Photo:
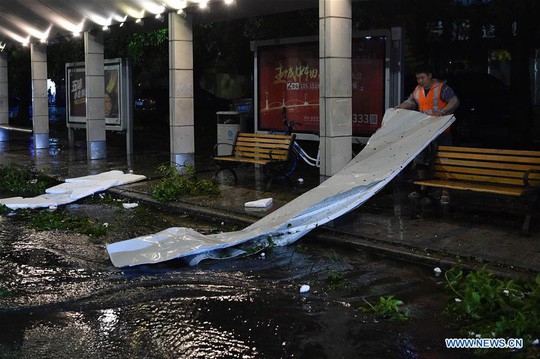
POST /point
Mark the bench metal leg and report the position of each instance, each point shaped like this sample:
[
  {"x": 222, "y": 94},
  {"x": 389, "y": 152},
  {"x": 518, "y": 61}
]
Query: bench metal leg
[
  {"x": 526, "y": 225},
  {"x": 269, "y": 184}
]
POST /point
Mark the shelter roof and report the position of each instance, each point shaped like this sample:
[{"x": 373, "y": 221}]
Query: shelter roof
[{"x": 26, "y": 21}]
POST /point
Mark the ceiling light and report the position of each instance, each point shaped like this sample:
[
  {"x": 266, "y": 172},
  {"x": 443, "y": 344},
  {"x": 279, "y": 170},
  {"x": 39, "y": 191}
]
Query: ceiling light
[
  {"x": 13, "y": 35},
  {"x": 177, "y": 4},
  {"x": 119, "y": 18},
  {"x": 136, "y": 14},
  {"x": 101, "y": 20},
  {"x": 228, "y": 2},
  {"x": 153, "y": 7}
]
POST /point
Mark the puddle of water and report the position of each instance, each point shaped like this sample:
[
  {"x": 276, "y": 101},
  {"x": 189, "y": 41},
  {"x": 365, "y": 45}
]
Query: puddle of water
[{"x": 64, "y": 299}]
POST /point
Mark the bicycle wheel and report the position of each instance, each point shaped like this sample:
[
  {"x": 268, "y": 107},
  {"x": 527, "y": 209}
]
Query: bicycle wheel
[{"x": 281, "y": 170}]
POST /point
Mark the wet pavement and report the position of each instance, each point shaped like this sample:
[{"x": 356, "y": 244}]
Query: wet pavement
[
  {"x": 61, "y": 297},
  {"x": 475, "y": 229}
]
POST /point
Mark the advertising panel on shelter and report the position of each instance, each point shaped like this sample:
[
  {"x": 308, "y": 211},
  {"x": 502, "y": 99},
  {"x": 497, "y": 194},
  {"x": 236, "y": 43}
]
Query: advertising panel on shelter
[
  {"x": 76, "y": 93},
  {"x": 368, "y": 55},
  {"x": 289, "y": 77}
]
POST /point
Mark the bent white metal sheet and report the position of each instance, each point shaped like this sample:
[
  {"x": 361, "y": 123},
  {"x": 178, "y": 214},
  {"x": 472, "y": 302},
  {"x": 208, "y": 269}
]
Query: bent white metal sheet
[
  {"x": 402, "y": 136},
  {"x": 73, "y": 189}
]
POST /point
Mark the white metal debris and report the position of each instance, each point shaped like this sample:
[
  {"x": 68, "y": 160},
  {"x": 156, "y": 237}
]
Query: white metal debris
[
  {"x": 72, "y": 190},
  {"x": 402, "y": 136}
]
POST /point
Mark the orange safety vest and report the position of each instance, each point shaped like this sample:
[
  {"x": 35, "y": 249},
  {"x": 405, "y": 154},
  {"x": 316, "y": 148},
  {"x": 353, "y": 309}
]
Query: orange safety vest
[{"x": 431, "y": 101}]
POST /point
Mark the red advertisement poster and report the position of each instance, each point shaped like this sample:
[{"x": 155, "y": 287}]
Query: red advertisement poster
[
  {"x": 368, "y": 56},
  {"x": 289, "y": 77}
]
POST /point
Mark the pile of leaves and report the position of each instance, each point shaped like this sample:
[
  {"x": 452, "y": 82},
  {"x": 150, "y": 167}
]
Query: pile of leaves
[
  {"x": 388, "y": 308},
  {"x": 174, "y": 184},
  {"x": 45, "y": 220},
  {"x": 490, "y": 307},
  {"x": 24, "y": 182}
]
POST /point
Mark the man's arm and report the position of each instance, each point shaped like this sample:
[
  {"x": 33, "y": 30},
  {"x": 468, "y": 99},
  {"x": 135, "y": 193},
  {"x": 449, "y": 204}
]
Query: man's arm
[
  {"x": 449, "y": 96},
  {"x": 451, "y": 107},
  {"x": 408, "y": 104}
]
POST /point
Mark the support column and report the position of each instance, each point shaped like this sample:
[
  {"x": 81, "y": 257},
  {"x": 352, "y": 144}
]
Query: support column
[
  {"x": 4, "y": 105},
  {"x": 40, "y": 98},
  {"x": 335, "y": 90},
  {"x": 182, "y": 118},
  {"x": 96, "y": 144}
]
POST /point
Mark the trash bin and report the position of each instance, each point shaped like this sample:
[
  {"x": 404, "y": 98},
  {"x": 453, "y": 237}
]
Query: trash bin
[{"x": 229, "y": 123}]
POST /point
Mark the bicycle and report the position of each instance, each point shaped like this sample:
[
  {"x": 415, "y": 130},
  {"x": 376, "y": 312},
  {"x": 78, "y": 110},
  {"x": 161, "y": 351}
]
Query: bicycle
[{"x": 298, "y": 151}]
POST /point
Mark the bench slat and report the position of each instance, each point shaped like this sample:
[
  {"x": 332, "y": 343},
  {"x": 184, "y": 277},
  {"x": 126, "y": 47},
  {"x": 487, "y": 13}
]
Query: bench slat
[
  {"x": 485, "y": 172},
  {"x": 489, "y": 151},
  {"x": 511, "y": 191},
  {"x": 261, "y": 149},
  {"x": 484, "y": 164},
  {"x": 260, "y": 155},
  {"x": 274, "y": 141},
  {"x": 487, "y": 157},
  {"x": 262, "y": 145},
  {"x": 264, "y": 135},
  {"x": 267, "y": 157},
  {"x": 477, "y": 178},
  {"x": 241, "y": 159}
]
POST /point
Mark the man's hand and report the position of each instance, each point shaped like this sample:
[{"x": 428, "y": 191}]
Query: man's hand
[
  {"x": 437, "y": 112},
  {"x": 407, "y": 105}
]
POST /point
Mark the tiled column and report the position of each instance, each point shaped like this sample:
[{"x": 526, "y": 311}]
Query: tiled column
[
  {"x": 4, "y": 106},
  {"x": 40, "y": 98},
  {"x": 335, "y": 41},
  {"x": 182, "y": 117},
  {"x": 96, "y": 145}
]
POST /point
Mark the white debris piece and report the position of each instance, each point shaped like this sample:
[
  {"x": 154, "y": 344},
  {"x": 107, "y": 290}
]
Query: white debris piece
[
  {"x": 73, "y": 189},
  {"x": 52, "y": 208},
  {"x": 402, "y": 136},
  {"x": 305, "y": 288},
  {"x": 129, "y": 205},
  {"x": 437, "y": 271},
  {"x": 260, "y": 203},
  {"x": 535, "y": 342}
]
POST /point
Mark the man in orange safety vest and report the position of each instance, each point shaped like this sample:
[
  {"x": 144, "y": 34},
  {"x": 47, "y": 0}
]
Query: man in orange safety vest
[{"x": 435, "y": 98}]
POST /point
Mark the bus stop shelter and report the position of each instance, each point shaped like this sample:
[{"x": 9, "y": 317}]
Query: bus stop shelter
[{"x": 33, "y": 23}]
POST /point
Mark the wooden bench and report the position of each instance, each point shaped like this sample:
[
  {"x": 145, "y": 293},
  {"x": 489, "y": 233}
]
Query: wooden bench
[
  {"x": 270, "y": 151},
  {"x": 505, "y": 172}
]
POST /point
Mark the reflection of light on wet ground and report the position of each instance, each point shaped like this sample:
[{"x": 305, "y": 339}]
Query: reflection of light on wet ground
[{"x": 108, "y": 320}]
